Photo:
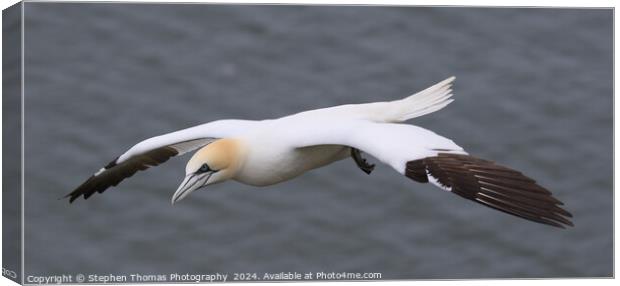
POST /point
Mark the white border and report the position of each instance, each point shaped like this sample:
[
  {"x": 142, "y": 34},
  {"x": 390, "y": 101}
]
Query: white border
[{"x": 494, "y": 3}]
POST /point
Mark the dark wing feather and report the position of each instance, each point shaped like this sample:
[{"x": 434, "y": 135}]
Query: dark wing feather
[
  {"x": 492, "y": 185},
  {"x": 113, "y": 173}
]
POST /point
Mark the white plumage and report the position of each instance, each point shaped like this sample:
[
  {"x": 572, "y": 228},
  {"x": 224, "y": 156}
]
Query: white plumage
[{"x": 270, "y": 151}]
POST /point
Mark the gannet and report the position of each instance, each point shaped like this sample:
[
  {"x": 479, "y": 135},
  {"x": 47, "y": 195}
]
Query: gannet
[{"x": 267, "y": 152}]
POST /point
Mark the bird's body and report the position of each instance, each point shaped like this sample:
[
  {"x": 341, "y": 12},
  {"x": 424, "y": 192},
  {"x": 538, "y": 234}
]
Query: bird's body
[
  {"x": 267, "y": 152},
  {"x": 286, "y": 163}
]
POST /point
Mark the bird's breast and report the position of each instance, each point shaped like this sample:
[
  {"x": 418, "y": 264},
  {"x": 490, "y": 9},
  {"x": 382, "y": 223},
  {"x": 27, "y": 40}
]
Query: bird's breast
[{"x": 272, "y": 164}]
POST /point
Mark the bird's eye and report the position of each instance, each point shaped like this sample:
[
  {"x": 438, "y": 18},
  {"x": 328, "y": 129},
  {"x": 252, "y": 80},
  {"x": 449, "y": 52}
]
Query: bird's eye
[{"x": 204, "y": 168}]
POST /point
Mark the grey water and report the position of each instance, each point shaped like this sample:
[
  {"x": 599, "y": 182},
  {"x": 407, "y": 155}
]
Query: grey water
[{"x": 534, "y": 91}]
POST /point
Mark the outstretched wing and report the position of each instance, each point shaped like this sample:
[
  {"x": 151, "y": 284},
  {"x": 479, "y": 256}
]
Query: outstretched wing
[
  {"x": 157, "y": 150},
  {"x": 424, "y": 156}
]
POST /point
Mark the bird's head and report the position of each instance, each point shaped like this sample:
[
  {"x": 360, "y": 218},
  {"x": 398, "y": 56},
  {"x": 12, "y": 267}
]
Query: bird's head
[{"x": 214, "y": 163}]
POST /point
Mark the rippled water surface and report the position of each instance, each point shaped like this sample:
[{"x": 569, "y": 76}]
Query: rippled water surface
[{"x": 533, "y": 91}]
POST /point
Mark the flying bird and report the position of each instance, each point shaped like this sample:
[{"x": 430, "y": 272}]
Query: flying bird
[{"x": 267, "y": 152}]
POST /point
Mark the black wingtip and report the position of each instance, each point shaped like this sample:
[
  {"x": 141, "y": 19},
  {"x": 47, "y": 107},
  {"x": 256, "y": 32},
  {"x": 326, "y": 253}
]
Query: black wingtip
[
  {"x": 492, "y": 185},
  {"x": 71, "y": 197},
  {"x": 566, "y": 225}
]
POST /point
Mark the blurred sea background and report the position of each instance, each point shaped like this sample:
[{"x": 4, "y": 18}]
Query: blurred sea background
[{"x": 534, "y": 91}]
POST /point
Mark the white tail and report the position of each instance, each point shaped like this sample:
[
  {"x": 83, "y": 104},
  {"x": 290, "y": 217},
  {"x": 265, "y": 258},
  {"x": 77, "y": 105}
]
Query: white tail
[{"x": 424, "y": 102}]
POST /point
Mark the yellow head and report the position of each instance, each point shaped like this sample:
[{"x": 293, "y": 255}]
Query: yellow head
[{"x": 214, "y": 163}]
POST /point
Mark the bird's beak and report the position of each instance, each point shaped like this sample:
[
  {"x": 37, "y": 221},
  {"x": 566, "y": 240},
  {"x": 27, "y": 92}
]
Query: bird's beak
[{"x": 191, "y": 183}]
